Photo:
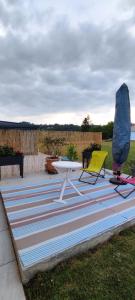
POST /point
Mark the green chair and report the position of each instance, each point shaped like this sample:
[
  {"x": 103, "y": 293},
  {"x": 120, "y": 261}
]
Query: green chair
[{"x": 97, "y": 163}]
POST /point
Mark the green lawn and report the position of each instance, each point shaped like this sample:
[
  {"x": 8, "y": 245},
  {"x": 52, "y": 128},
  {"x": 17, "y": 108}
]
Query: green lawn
[
  {"x": 108, "y": 147},
  {"x": 107, "y": 273}
]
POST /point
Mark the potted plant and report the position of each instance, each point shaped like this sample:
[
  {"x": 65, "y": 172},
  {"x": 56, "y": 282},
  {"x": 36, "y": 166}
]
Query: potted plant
[
  {"x": 72, "y": 153},
  {"x": 53, "y": 147}
]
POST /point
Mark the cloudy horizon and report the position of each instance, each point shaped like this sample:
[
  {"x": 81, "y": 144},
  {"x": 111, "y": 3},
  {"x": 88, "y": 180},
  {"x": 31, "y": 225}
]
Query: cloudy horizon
[{"x": 60, "y": 61}]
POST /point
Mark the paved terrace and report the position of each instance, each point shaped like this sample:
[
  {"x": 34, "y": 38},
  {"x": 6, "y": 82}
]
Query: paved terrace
[
  {"x": 45, "y": 232},
  {"x": 10, "y": 283}
]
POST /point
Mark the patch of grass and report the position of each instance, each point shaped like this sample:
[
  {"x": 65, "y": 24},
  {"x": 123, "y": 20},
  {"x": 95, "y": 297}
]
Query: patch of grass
[
  {"x": 107, "y": 273},
  {"x": 108, "y": 147}
]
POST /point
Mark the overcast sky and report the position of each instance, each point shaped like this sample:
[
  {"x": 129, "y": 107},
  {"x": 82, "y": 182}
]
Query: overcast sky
[{"x": 61, "y": 60}]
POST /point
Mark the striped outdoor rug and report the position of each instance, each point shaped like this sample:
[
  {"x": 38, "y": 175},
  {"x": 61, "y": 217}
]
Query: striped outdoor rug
[{"x": 42, "y": 228}]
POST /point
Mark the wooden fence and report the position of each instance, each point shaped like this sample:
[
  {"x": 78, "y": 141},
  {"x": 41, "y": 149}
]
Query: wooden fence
[
  {"x": 81, "y": 140},
  {"x": 25, "y": 141},
  {"x": 31, "y": 141}
]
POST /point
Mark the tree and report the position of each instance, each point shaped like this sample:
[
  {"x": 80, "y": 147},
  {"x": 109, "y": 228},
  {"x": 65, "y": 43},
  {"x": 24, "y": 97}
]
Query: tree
[
  {"x": 107, "y": 131},
  {"x": 86, "y": 124}
]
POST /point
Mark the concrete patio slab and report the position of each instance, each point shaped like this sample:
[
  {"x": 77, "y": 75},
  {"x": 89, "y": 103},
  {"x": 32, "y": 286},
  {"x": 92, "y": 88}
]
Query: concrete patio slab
[
  {"x": 3, "y": 221},
  {"x": 10, "y": 284},
  {"x": 6, "y": 249}
]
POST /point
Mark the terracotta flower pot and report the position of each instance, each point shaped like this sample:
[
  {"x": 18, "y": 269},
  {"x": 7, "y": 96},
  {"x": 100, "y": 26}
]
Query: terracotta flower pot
[{"x": 48, "y": 165}]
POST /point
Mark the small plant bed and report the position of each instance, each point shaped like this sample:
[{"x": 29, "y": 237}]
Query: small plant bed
[
  {"x": 8, "y": 151},
  {"x": 8, "y": 156},
  {"x": 106, "y": 273}
]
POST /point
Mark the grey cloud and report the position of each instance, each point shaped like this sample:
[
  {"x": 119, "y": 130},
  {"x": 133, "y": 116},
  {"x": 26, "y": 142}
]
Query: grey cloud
[
  {"x": 128, "y": 3},
  {"x": 63, "y": 68}
]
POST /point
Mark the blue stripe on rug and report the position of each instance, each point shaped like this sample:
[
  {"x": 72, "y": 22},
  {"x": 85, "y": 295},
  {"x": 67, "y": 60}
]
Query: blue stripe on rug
[{"x": 55, "y": 246}]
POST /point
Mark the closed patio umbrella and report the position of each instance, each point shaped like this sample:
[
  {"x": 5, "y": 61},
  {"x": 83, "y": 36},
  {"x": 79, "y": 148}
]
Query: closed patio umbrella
[{"x": 121, "y": 131}]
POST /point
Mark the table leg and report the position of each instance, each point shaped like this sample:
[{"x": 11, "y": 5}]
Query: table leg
[
  {"x": 62, "y": 192},
  {"x": 74, "y": 187},
  {"x": 67, "y": 180}
]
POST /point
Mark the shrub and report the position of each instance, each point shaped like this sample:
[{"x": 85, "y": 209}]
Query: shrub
[
  {"x": 71, "y": 152},
  {"x": 7, "y": 151}
]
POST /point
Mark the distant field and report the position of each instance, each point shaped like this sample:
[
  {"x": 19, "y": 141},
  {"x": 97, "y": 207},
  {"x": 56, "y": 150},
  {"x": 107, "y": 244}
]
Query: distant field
[{"x": 108, "y": 147}]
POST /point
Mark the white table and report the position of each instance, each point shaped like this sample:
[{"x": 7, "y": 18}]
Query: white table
[{"x": 68, "y": 166}]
